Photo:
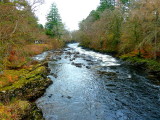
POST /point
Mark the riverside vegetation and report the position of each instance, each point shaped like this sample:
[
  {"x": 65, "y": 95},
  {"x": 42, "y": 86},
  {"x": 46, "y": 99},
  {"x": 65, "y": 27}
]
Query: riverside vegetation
[
  {"x": 23, "y": 80},
  {"x": 128, "y": 28}
]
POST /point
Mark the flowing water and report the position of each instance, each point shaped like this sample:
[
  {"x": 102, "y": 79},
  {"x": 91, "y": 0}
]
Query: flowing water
[{"x": 91, "y": 86}]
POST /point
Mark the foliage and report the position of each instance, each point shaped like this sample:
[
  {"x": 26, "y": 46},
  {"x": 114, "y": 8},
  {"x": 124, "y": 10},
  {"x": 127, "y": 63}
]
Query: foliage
[
  {"x": 18, "y": 32},
  {"x": 124, "y": 26}
]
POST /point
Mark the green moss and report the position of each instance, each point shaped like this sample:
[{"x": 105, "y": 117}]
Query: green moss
[
  {"x": 148, "y": 63},
  {"x": 15, "y": 96},
  {"x": 24, "y": 77}
]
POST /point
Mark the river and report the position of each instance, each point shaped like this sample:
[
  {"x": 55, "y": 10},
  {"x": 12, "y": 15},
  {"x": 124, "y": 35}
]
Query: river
[{"x": 92, "y": 86}]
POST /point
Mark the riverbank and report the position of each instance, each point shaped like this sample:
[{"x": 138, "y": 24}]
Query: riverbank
[
  {"x": 151, "y": 67},
  {"x": 20, "y": 88}
]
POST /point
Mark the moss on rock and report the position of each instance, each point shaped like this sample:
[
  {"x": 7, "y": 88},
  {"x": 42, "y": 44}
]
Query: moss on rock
[{"x": 30, "y": 84}]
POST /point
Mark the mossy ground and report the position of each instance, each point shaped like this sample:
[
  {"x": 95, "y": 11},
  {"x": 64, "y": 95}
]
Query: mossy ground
[
  {"x": 149, "y": 64},
  {"x": 17, "y": 87},
  {"x": 12, "y": 79}
]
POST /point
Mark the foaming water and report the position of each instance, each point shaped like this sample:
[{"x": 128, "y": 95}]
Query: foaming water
[
  {"x": 41, "y": 57},
  {"x": 91, "y": 86},
  {"x": 106, "y": 60}
]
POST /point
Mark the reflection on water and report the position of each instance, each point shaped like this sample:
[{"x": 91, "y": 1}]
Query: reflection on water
[{"x": 92, "y": 86}]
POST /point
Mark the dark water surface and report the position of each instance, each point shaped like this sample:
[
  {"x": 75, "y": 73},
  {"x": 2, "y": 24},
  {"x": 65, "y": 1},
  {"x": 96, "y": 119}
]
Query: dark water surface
[{"x": 93, "y": 86}]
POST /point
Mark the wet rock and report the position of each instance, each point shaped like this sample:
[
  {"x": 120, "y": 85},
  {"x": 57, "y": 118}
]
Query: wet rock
[
  {"x": 151, "y": 76},
  {"x": 68, "y": 52},
  {"x": 72, "y": 59},
  {"x": 53, "y": 58},
  {"x": 88, "y": 58},
  {"x": 110, "y": 85},
  {"x": 88, "y": 67},
  {"x": 50, "y": 95},
  {"x": 77, "y": 64},
  {"x": 66, "y": 57},
  {"x": 154, "y": 74},
  {"x": 91, "y": 63},
  {"x": 154, "y": 79},
  {"x": 77, "y": 53},
  {"x": 59, "y": 52},
  {"x": 113, "y": 74},
  {"x": 69, "y": 97},
  {"x": 54, "y": 75}
]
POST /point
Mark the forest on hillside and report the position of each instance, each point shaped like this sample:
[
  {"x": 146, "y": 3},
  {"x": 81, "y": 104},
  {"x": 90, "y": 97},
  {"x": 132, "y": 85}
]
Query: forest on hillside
[{"x": 130, "y": 27}]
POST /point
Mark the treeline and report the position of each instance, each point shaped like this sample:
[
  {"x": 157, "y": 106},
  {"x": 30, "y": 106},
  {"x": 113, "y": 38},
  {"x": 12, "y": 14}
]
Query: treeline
[
  {"x": 19, "y": 31},
  {"x": 123, "y": 26}
]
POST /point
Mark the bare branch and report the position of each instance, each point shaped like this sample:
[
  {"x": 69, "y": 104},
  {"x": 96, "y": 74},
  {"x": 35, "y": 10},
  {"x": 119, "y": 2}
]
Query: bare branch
[{"x": 35, "y": 4}]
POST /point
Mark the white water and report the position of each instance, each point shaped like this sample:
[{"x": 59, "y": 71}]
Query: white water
[{"x": 106, "y": 60}]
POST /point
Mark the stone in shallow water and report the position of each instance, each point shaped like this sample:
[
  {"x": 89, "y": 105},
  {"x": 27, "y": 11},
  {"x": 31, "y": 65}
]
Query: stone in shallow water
[
  {"x": 77, "y": 64},
  {"x": 88, "y": 67},
  {"x": 69, "y": 97},
  {"x": 113, "y": 74}
]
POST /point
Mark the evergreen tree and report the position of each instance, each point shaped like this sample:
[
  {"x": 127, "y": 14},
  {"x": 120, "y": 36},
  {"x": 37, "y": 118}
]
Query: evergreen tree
[
  {"x": 106, "y": 4},
  {"x": 54, "y": 26}
]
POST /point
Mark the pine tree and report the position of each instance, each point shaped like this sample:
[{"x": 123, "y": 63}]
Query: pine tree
[
  {"x": 54, "y": 25},
  {"x": 106, "y": 4}
]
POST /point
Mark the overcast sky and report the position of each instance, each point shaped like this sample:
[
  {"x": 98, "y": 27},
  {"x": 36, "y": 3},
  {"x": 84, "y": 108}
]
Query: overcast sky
[{"x": 71, "y": 11}]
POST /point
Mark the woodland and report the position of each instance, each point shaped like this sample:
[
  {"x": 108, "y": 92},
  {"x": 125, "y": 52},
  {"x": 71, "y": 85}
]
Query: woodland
[{"x": 125, "y": 27}]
